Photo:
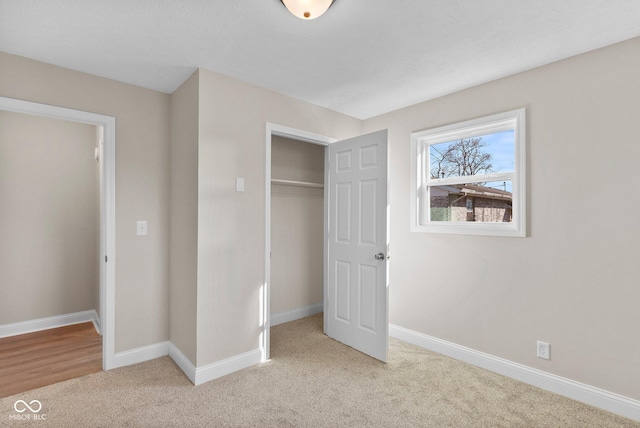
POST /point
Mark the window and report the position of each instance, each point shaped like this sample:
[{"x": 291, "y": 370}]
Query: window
[{"x": 469, "y": 177}]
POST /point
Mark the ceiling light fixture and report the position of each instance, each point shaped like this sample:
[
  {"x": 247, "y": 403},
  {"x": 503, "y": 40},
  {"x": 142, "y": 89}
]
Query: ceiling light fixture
[{"x": 307, "y": 9}]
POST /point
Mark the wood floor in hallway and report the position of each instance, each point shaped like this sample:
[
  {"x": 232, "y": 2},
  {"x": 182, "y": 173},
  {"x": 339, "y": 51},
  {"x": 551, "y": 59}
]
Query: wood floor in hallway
[{"x": 33, "y": 360}]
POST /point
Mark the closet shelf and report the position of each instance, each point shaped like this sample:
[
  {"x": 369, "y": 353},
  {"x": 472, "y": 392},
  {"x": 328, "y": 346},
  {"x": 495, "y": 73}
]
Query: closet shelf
[{"x": 297, "y": 183}]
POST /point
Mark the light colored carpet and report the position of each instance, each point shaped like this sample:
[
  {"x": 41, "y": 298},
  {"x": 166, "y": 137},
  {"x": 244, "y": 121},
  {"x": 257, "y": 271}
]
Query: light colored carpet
[{"x": 311, "y": 381}]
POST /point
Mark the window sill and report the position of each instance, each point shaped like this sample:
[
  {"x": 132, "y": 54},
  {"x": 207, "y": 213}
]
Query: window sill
[{"x": 477, "y": 229}]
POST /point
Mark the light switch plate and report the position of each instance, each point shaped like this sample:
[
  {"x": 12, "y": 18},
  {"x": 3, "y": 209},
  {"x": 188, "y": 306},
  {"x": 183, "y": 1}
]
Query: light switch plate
[
  {"x": 239, "y": 184},
  {"x": 141, "y": 228}
]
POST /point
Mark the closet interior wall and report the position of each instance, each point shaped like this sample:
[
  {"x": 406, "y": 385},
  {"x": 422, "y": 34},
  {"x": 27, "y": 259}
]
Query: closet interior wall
[{"x": 297, "y": 218}]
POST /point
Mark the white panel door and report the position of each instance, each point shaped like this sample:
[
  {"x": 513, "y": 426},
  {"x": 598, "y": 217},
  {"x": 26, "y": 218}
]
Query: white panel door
[{"x": 356, "y": 304}]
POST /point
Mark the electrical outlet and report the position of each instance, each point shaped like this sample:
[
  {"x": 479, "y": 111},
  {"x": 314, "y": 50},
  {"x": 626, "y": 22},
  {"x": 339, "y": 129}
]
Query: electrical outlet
[{"x": 544, "y": 350}]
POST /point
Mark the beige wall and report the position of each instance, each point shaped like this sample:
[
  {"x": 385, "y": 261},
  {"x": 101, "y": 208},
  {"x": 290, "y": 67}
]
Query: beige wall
[
  {"x": 573, "y": 281},
  {"x": 142, "y": 183},
  {"x": 231, "y": 225},
  {"x": 297, "y": 225},
  {"x": 184, "y": 217},
  {"x": 49, "y": 217}
]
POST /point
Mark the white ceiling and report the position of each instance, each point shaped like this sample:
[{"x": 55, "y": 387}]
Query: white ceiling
[{"x": 362, "y": 58}]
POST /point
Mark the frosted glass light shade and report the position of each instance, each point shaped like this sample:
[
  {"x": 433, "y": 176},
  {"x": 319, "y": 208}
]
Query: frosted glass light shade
[{"x": 307, "y": 9}]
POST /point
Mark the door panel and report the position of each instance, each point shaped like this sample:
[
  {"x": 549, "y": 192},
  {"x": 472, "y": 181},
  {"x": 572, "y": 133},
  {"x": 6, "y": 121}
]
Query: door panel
[
  {"x": 356, "y": 306},
  {"x": 343, "y": 291},
  {"x": 368, "y": 275},
  {"x": 368, "y": 196},
  {"x": 343, "y": 229}
]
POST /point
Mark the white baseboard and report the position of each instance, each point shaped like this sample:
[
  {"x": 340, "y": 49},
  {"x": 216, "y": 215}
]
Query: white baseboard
[
  {"x": 203, "y": 374},
  {"x": 198, "y": 375},
  {"x": 139, "y": 355},
  {"x": 227, "y": 366},
  {"x": 96, "y": 322},
  {"x": 596, "y": 397},
  {"x": 183, "y": 362},
  {"x": 40, "y": 324},
  {"x": 296, "y": 314}
]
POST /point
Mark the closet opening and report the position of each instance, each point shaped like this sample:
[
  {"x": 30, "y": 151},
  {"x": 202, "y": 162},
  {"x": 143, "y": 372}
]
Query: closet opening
[{"x": 295, "y": 241}]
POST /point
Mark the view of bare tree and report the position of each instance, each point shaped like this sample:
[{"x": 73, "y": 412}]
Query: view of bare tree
[{"x": 464, "y": 157}]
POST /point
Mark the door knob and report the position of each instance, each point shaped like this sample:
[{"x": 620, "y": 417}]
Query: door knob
[{"x": 379, "y": 256}]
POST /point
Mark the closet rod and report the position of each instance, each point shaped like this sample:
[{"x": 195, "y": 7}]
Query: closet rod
[{"x": 297, "y": 183}]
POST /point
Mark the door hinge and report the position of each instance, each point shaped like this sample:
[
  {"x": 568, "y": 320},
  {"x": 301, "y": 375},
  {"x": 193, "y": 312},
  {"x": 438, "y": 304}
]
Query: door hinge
[{"x": 106, "y": 259}]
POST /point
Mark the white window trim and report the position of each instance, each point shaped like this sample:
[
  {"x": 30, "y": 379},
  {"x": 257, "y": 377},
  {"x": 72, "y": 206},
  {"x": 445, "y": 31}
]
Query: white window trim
[{"x": 515, "y": 120}]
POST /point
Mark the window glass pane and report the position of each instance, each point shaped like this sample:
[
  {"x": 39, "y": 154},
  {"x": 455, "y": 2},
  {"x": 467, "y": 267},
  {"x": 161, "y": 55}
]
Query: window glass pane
[
  {"x": 489, "y": 202},
  {"x": 471, "y": 156}
]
